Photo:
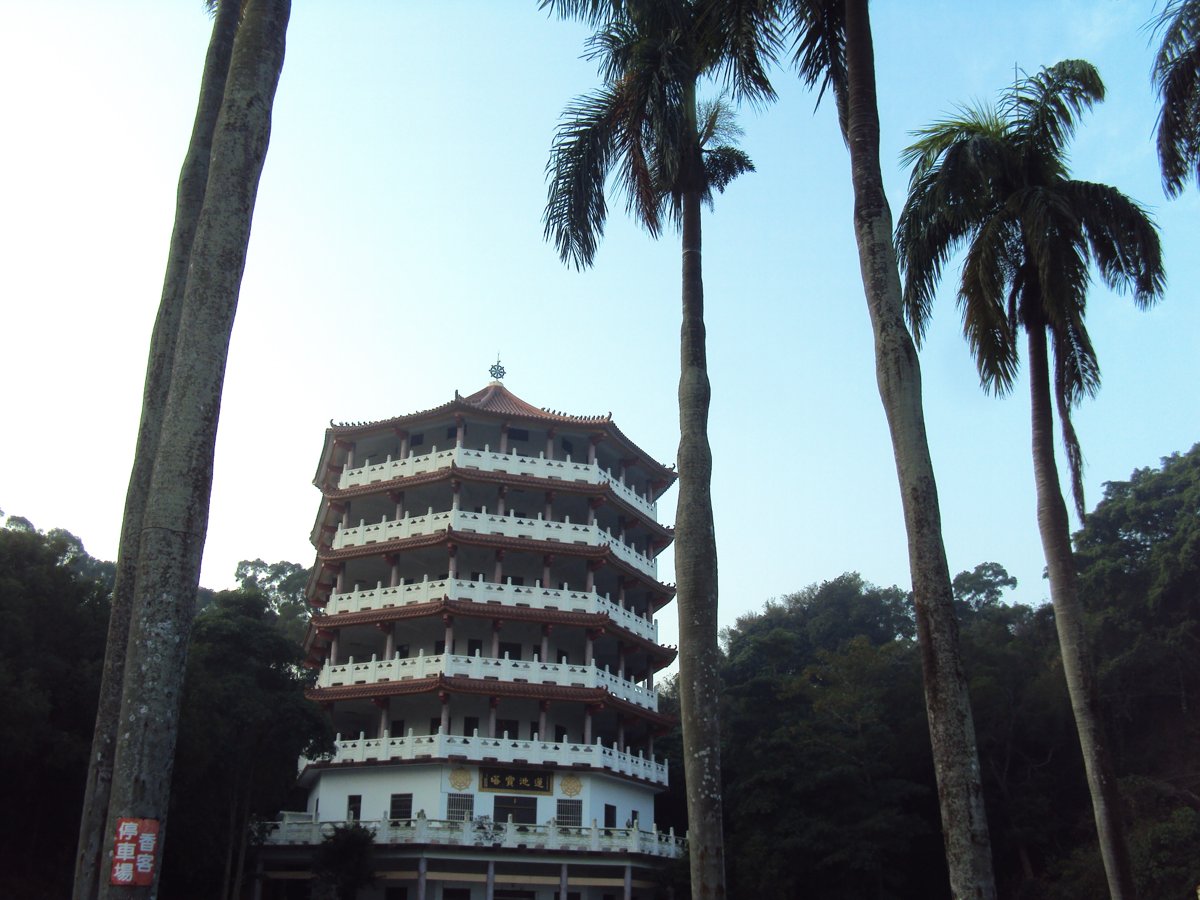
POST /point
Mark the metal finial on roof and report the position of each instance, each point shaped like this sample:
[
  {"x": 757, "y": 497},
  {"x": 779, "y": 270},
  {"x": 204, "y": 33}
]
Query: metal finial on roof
[{"x": 497, "y": 371}]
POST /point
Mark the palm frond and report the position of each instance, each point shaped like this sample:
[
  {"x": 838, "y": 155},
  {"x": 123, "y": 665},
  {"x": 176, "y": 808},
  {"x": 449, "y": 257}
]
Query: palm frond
[
  {"x": 1044, "y": 107},
  {"x": 593, "y": 12},
  {"x": 717, "y": 122},
  {"x": 945, "y": 206},
  {"x": 819, "y": 52},
  {"x": 1176, "y": 75},
  {"x": 722, "y": 164},
  {"x": 1123, "y": 238},
  {"x": 980, "y": 125},
  {"x": 1076, "y": 375},
  {"x": 580, "y": 159},
  {"x": 990, "y": 334},
  {"x": 1053, "y": 243},
  {"x": 744, "y": 38}
]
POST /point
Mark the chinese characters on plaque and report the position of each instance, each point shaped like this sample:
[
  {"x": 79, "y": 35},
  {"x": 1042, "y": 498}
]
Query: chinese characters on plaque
[
  {"x": 133, "y": 852},
  {"x": 515, "y": 781}
]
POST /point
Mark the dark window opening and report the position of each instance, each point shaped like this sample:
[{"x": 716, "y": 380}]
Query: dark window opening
[
  {"x": 510, "y": 727},
  {"x": 518, "y": 434},
  {"x": 474, "y": 645},
  {"x": 522, "y": 809},
  {"x": 401, "y": 807},
  {"x": 435, "y": 724},
  {"x": 560, "y": 734},
  {"x": 513, "y": 650},
  {"x": 416, "y": 440},
  {"x": 610, "y": 816},
  {"x": 470, "y": 725},
  {"x": 354, "y": 807},
  {"x": 397, "y": 728}
]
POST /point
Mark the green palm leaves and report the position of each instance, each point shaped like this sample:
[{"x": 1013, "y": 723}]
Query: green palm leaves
[
  {"x": 644, "y": 126},
  {"x": 1177, "y": 77},
  {"x": 995, "y": 180}
]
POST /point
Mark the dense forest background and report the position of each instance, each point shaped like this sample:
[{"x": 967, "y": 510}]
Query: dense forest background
[{"x": 828, "y": 779}]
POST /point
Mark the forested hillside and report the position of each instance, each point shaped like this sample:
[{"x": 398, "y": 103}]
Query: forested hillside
[{"x": 828, "y": 778}]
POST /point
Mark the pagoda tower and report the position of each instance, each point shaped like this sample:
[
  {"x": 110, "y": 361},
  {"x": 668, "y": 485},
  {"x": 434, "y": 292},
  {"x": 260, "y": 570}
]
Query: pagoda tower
[{"x": 483, "y": 624}]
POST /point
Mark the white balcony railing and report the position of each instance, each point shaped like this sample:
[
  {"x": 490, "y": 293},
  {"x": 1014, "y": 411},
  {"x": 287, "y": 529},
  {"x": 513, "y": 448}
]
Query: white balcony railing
[
  {"x": 540, "y": 529},
  {"x": 374, "y": 671},
  {"x": 487, "y": 460},
  {"x": 499, "y": 750},
  {"x": 302, "y": 828},
  {"x": 535, "y": 597}
]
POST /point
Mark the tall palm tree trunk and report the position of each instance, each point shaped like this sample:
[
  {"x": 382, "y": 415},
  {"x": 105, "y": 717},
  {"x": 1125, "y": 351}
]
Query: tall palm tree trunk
[
  {"x": 1069, "y": 621},
  {"x": 176, "y": 512},
  {"x": 193, "y": 178},
  {"x": 951, "y": 727},
  {"x": 696, "y": 580}
]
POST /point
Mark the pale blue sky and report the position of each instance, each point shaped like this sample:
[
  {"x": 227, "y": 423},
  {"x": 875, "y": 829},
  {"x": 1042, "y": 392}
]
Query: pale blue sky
[{"x": 398, "y": 246}]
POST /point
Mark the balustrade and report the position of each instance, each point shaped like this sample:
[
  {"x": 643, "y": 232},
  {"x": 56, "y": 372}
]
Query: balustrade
[
  {"x": 374, "y": 671},
  {"x": 488, "y": 460},
  {"x": 411, "y": 746},
  {"x": 537, "y": 528},
  {"x": 302, "y": 828},
  {"x": 535, "y": 597}
]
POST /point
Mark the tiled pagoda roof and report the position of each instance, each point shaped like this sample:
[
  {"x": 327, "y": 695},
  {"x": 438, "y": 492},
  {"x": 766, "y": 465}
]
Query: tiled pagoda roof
[{"x": 498, "y": 402}]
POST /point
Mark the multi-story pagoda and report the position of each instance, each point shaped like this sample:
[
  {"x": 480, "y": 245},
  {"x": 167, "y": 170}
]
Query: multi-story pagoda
[{"x": 484, "y": 599}]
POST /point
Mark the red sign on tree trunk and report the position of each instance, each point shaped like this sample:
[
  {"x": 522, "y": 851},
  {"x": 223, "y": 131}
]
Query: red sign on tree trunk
[{"x": 134, "y": 850}]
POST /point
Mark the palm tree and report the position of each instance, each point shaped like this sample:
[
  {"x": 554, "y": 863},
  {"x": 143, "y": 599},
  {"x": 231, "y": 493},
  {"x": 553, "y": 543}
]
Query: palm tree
[
  {"x": 669, "y": 152},
  {"x": 1177, "y": 76},
  {"x": 834, "y": 49},
  {"x": 173, "y": 520},
  {"x": 996, "y": 181},
  {"x": 193, "y": 179}
]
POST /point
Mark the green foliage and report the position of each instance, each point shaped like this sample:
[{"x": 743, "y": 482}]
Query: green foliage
[
  {"x": 54, "y": 604},
  {"x": 643, "y": 126},
  {"x": 827, "y": 771},
  {"x": 284, "y": 584},
  {"x": 982, "y": 587},
  {"x": 245, "y": 721},
  {"x": 1139, "y": 561},
  {"x": 829, "y": 783},
  {"x": 343, "y": 863},
  {"x": 995, "y": 181},
  {"x": 1177, "y": 77}
]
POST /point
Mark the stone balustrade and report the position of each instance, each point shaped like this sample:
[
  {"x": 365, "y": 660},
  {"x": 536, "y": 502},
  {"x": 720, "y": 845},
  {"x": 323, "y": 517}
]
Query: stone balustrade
[
  {"x": 487, "y": 460},
  {"x": 535, "y": 597},
  {"x": 302, "y": 828},
  {"x": 374, "y": 671},
  {"x": 500, "y": 750},
  {"x": 539, "y": 529}
]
